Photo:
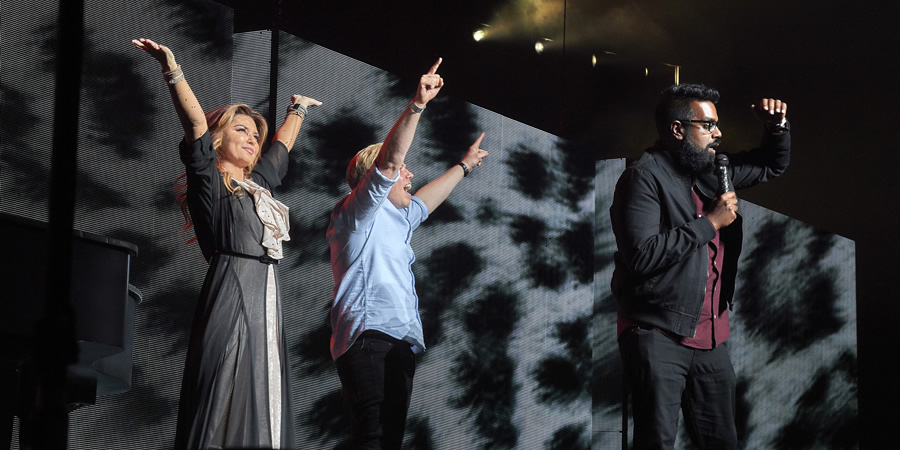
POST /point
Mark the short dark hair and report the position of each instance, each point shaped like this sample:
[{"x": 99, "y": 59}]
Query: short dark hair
[{"x": 676, "y": 103}]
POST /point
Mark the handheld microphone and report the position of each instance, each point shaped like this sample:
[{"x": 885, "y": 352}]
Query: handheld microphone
[{"x": 722, "y": 174}]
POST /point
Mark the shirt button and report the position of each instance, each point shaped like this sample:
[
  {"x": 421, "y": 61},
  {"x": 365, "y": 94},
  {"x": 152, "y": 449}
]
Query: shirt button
[{"x": 715, "y": 316}]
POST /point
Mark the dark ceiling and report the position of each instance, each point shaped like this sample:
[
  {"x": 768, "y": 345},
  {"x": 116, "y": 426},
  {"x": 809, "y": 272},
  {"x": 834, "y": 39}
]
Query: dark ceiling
[
  {"x": 832, "y": 62},
  {"x": 820, "y": 57}
]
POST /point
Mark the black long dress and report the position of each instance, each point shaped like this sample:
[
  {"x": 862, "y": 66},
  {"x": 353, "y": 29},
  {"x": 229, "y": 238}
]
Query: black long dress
[{"x": 225, "y": 394}]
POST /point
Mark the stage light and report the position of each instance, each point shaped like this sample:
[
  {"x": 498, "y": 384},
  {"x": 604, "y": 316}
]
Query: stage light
[
  {"x": 539, "y": 46},
  {"x": 593, "y": 60},
  {"x": 478, "y": 35},
  {"x": 676, "y": 69}
]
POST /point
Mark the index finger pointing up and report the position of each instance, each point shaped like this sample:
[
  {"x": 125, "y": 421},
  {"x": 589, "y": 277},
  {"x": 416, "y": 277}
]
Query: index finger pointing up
[
  {"x": 434, "y": 68},
  {"x": 477, "y": 142}
]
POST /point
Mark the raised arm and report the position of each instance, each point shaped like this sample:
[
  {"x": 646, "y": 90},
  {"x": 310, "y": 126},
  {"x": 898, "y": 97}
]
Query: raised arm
[
  {"x": 772, "y": 157},
  {"x": 434, "y": 193},
  {"x": 186, "y": 105},
  {"x": 296, "y": 114},
  {"x": 771, "y": 112},
  {"x": 396, "y": 144}
]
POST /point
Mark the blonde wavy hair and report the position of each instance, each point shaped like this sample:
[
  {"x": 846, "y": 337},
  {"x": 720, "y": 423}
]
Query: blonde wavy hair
[
  {"x": 361, "y": 163},
  {"x": 220, "y": 118}
]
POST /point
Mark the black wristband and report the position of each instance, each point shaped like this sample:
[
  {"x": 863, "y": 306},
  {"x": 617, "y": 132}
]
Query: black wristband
[
  {"x": 298, "y": 109},
  {"x": 465, "y": 169}
]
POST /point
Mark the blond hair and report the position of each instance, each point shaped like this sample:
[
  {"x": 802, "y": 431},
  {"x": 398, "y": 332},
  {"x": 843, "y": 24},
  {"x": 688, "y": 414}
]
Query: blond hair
[
  {"x": 361, "y": 163},
  {"x": 216, "y": 121},
  {"x": 220, "y": 118}
]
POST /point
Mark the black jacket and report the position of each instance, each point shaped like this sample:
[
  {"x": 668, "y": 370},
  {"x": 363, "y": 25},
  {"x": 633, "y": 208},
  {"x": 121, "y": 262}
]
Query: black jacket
[{"x": 661, "y": 264}]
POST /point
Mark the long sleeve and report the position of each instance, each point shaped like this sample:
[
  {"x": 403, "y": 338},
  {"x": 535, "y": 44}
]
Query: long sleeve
[
  {"x": 763, "y": 163},
  {"x": 639, "y": 216}
]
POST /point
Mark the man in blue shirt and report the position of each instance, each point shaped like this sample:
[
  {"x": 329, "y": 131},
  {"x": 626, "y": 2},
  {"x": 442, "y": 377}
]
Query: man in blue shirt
[{"x": 376, "y": 329}]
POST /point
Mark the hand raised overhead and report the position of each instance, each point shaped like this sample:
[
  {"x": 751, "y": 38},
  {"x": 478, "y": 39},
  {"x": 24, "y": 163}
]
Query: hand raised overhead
[
  {"x": 159, "y": 52},
  {"x": 770, "y": 111},
  {"x": 304, "y": 100},
  {"x": 429, "y": 85},
  {"x": 475, "y": 154}
]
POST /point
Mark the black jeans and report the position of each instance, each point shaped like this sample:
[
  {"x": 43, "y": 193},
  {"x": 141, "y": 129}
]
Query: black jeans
[
  {"x": 665, "y": 376},
  {"x": 376, "y": 378}
]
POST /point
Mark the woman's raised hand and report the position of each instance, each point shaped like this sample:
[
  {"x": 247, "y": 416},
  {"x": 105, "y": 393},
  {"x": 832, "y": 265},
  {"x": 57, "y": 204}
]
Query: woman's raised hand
[
  {"x": 159, "y": 52},
  {"x": 304, "y": 100},
  {"x": 190, "y": 114}
]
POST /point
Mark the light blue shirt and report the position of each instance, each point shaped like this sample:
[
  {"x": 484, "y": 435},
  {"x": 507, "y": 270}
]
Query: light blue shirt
[{"x": 371, "y": 260}]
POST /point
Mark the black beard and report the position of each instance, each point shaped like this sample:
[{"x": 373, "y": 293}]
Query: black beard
[{"x": 696, "y": 160}]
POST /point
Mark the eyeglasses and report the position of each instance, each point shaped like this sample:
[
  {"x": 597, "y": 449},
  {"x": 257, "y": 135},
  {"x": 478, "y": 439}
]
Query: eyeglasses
[{"x": 708, "y": 125}]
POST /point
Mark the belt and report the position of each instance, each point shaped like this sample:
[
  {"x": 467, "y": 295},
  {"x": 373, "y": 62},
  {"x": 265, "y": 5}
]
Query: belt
[
  {"x": 265, "y": 259},
  {"x": 375, "y": 334}
]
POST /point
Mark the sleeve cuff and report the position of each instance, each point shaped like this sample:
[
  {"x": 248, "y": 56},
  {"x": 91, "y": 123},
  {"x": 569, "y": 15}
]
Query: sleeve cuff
[
  {"x": 707, "y": 229},
  {"x": 379, "y": 177}
]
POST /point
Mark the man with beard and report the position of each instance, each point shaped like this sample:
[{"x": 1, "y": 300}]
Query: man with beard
[{"x": 678, "y": 242}]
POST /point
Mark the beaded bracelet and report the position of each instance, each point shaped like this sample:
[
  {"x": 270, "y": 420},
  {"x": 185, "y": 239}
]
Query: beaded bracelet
[
  {"x": 174, "y": 76},
  {"x": 298, "y": 109}
]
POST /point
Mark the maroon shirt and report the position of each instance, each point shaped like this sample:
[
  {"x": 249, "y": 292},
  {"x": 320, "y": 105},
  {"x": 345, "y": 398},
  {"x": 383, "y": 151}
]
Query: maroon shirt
[{"x": 713, "y": 328}]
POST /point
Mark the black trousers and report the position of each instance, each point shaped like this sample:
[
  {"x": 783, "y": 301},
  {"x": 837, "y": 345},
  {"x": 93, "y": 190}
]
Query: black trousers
[
  {"x": 376, "y": 379},
  {"x": 665, "y": 376}
]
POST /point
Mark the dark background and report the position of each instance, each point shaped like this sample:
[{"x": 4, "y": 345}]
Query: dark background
[{"x": 832, "y": 62}]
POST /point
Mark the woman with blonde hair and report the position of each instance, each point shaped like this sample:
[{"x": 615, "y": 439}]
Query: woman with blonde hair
[{"x": 235, "y": 390}]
